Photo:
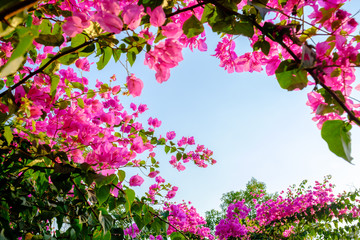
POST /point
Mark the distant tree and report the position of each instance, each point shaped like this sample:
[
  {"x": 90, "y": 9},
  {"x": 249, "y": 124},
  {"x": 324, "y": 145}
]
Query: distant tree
[{"x": 254, "y": 190}]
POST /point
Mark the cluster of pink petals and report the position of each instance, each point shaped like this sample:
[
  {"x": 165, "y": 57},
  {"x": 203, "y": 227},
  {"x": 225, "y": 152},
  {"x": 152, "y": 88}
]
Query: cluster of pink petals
[
  {"x": 186, "y": 219},
  {"x": 166, "y": 55},
  {"x": 76, "y": 24},
  {"x": 132, "y": 231}
]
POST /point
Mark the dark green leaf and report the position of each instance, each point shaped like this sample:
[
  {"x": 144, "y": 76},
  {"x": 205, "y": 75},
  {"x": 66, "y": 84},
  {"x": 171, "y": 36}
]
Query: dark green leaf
[
  {"x": 50, "y": 39},
  {"x": 2, "y": 84},
  {"x": 102, "y": 194},
  {"x": 263, "y": 45},
  {"x": 104, "y": 180},
  {"x": 337, "y": 135},
  {"x": 131, "y": 57},
  {"x": 106, "y": 221},
  {"x": 87, "y": 50},
  {"x": 117, "y": 234},
  {"x": 192, "y": 27},
  {"x": 69, "y": 58},
  {"x": 116, "y": 54}
]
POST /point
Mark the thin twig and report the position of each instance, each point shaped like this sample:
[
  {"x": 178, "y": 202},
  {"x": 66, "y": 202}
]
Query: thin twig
[{"x": 186, "y": 9}]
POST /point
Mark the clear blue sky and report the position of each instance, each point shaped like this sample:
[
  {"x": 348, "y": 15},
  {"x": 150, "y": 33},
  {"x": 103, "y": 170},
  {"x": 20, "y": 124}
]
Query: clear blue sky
[{"x": 255, "y": 128}]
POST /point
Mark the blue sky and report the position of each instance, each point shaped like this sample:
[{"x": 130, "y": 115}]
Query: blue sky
[{"x": 255, "y": 128}]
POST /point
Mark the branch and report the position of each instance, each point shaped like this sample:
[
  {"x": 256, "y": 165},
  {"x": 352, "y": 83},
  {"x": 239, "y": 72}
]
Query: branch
[
  {"x": 186, "y": 9},
  {"x": 57, "y": 56}
]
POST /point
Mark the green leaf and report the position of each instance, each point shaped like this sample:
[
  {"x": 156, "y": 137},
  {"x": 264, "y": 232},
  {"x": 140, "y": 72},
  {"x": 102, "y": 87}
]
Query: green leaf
[
  {"x": 263, "y": 45},
  {"x": 80, "y": 103},
  {"x": 87, "y": 50},
  {"x": 131, "y": 57},
  {"x": 337, "y": 135},
  {"x": 26, "y": 38},
  {"x": 78, "y": 40},
  {"x": 11, "y": 67},
  {"x": 69, "y": 58},
  {"x": 50, "y": 39},
  {"x": 167, "y": 149},
  {"x": 102, "y": 194},
  {"x": 138, "y": 221},
  {"x": 332, "y": 105},
  {"x": 78, "y": 85},
  {"x": 104, "y": 180},
  {"x": 192, "y": 27},
  {"x": 106, "y": 221},
  {"x": 104, "y": 58},
  {"x": 130, "y": 197},
  {"x": 121, "y": 174},
  {"x": 55, "y": 79},
  {"x": 290, "y": 77},
  {"x": 53, "y": 67},
  {"x": 2, "y": 84},
  {"x": 117, "y": 54},
  {"x": 8, "y": 134},
  {"x": 176, "y": 236},
  {"x": 90, "y": 94}
]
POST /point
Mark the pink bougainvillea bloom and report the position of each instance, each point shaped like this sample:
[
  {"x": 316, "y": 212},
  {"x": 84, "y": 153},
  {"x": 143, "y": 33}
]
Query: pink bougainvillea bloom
[
  {"x": 111, "y": 6},
  {"x": 138, "y": 145},
  {"x": 75, "y": 24},
  {"x": 132, "y": 15},
  {"x": 170, "y": 135},
  {"x": 170, "y": 194},
  {"x": 136, "y": 181},
  {"x": 157, "y": 16},
  {"x": 109, "y": 22},
  {"x": 135, "y": 85},
  {"x": 172, "y": 30},
  {"x": 83, "y": 64}
]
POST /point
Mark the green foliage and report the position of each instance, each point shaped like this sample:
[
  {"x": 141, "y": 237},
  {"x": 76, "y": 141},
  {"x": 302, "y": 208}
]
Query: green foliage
[
  {"x": 192, "y": 27},
  {"x": 337, "y": 135},
  {"x": 253, "y": 188},
  {"x": 222, "y": 21},
  {"x": 290, "y": 77}
]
